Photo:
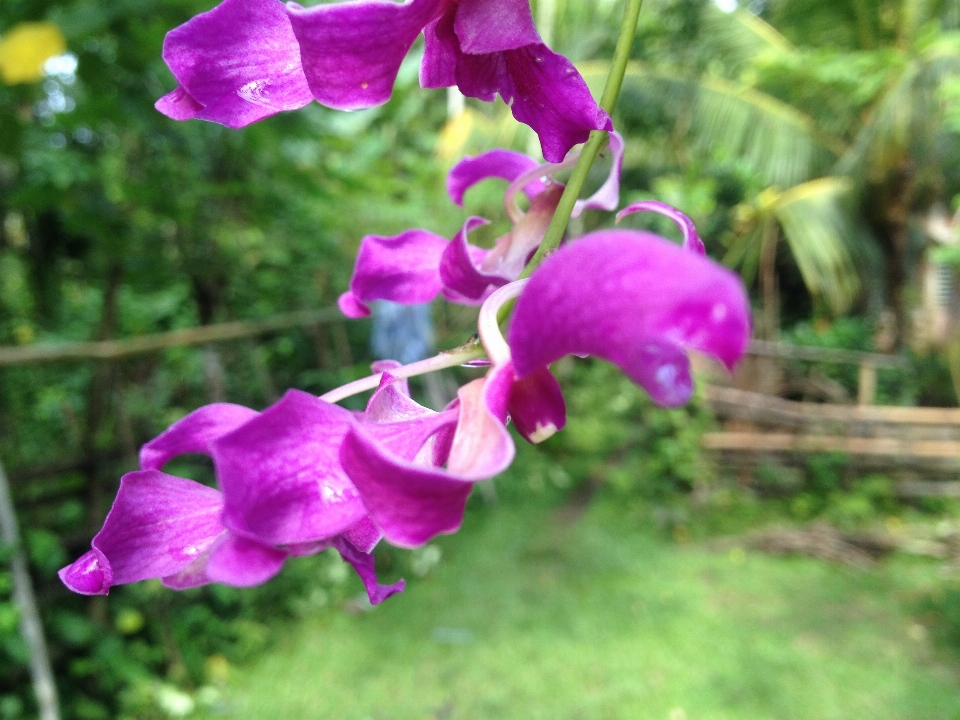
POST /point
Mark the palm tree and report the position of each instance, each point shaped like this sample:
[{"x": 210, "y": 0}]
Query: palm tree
[{"x": 841, "y": 137}]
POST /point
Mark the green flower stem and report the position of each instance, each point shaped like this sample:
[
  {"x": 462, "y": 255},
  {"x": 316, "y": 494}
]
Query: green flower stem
[{"x": 595, "y": 143}]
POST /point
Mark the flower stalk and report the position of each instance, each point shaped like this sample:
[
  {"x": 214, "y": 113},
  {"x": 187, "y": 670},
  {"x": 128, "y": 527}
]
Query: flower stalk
[
  {"x": 448, "y": 359},
  {"x": 596, "y": 142}
]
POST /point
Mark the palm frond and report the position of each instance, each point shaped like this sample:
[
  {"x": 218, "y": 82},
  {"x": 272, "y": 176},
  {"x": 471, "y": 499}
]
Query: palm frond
[
  {"x": 818, "y": 230},
  {"x": 775, "y": 139},
  {"x": 780, "y": 142},
  {"x": 907, "y": 117},
  {"x": 740, "y": 37}
]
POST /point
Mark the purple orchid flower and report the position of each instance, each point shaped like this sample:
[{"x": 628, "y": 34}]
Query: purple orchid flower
[
  {"x": 647, "y": 302},
  {"x": 418, "y": 265},
  {"x": 413, "y": 498},
  {"x": 288, "y": 487},
  {"x": 282, "y": 493},
  {"x": 245, "y": 60}
]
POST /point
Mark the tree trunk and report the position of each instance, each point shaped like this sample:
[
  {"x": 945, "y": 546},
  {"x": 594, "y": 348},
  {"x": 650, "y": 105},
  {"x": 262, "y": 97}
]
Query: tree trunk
[{"x": 889, "y": 217}]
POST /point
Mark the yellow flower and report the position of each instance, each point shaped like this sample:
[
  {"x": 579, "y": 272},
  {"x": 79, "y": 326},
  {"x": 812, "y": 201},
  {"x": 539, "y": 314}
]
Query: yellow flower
[
  {"x": 454, "y": 135},
  {"x": 25, "y": 48}
]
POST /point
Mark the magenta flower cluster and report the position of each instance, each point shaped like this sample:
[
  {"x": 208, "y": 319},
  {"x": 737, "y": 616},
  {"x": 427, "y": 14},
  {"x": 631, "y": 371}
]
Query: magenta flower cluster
[
  {"x": 306, "y": 475},
  {"x": 248, "y": 59}
]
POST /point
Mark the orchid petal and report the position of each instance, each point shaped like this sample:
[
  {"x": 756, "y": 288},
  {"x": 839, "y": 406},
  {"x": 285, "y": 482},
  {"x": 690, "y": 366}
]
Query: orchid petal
[
  {"x": 403, "y": 426},
  {"x": 543, "y": 89},
  {"x": 691, "y": 238},
  {"x": 194, "y": 433},
  {"x": 445, "y": 64},
  {"x": 412, "y": 503},
  {"x": 391, "y": 402},
  {"x": 402, "y": 268},
  {"x": 462, "y": 280},
  {"x": 364, "y": 564},
  {"x": 607, "y": 196},
  {"x": 178, "y": 105},
  {"x": 648, "y": 302},
  {"x": 241, "y": 562},
  {"x": 157, "y": 526},
  {"x": 381, "y": 366},
  {"x": 364, "y": 536},
  {"x": 237, "y": 63},
  {"x": 546, "y": 92},
  {"x": 351, "y": 52},
  {"x": 505, "y": 164},
  {"x": 438, "y": 68},
  {"x": 90, "y": 574},
  {"x": 537, "y": 407},
  {"x": 281, "y": 479},
  {"x": 488, "y": 26},
  {"x": 194, "y": 575}
]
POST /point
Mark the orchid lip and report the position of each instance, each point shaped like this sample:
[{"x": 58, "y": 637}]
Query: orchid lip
[{"x": 542, "y": 173}]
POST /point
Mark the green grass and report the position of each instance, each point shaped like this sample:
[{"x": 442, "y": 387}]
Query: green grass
[{"x": 531, "y": 615}]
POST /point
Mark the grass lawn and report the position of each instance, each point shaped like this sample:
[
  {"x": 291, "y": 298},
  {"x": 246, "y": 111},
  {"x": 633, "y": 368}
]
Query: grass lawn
[{"x": 532, "y": 614}]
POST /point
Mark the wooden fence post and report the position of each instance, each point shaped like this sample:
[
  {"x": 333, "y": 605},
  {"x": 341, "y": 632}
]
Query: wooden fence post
[
  {"x": 867, "y": 383},
  {"x": 30, "y": 625}
]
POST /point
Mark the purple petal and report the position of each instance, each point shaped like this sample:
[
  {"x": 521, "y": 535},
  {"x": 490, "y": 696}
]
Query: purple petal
[
  {"x": 364, "y": 536},
  {"x": 391, "y": 402},
  {"x": 691, "y": 238},
  {"x": 546, "y": 92},
  {"x": 194, "y": 575},
  {"x": 402, "y": 425},
  {"x": 647, "y": 303},
  {"x": 488, "y": 26},
  {"x": 403, "y": 269},
  {"x": 241, "y": 562},
  {"x": 482, "y": 446},
  {"x": 505, "y": 164},
  {"x": 351, "y": 52},
  {"x": 537, "y": 407},
  {"x": 178, "y": 104},
  {"x": 238, "y": 63},
  {"x": 441, "y": 52},
  {"x": 462, "y": 279},
  {"x": 364, "y": 564},
  {"x": 282, "y": 482},
  {"x": 194, "y": 433},
  {"x": 607, "y": 196},
  {"x": 158, "y": 525},
  {"x": 91, "y": 574},
  {"x": 445, "y": 64},
  {"x": 380, "y": 366},
  {"x": 411, "y": 502}
]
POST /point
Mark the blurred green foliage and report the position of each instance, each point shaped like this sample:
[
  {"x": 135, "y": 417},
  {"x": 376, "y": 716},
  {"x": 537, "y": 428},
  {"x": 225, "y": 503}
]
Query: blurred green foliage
[{"x": 118, "y": 222}]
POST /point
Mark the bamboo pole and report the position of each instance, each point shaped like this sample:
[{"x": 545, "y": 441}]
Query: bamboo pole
[
  {"x": 114, "y": 349},
  {"x": 30, "y": 626}
]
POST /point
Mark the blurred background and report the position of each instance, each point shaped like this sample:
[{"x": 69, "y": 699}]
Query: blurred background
[{"x": 788, "y": 546}]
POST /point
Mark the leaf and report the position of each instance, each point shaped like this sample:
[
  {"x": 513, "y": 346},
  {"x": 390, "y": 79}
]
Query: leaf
[{"x": 818, "y": 230}]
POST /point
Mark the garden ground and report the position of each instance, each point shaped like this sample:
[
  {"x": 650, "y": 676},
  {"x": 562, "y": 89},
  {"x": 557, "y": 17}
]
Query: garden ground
[{"x": 542, "y": 612}]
